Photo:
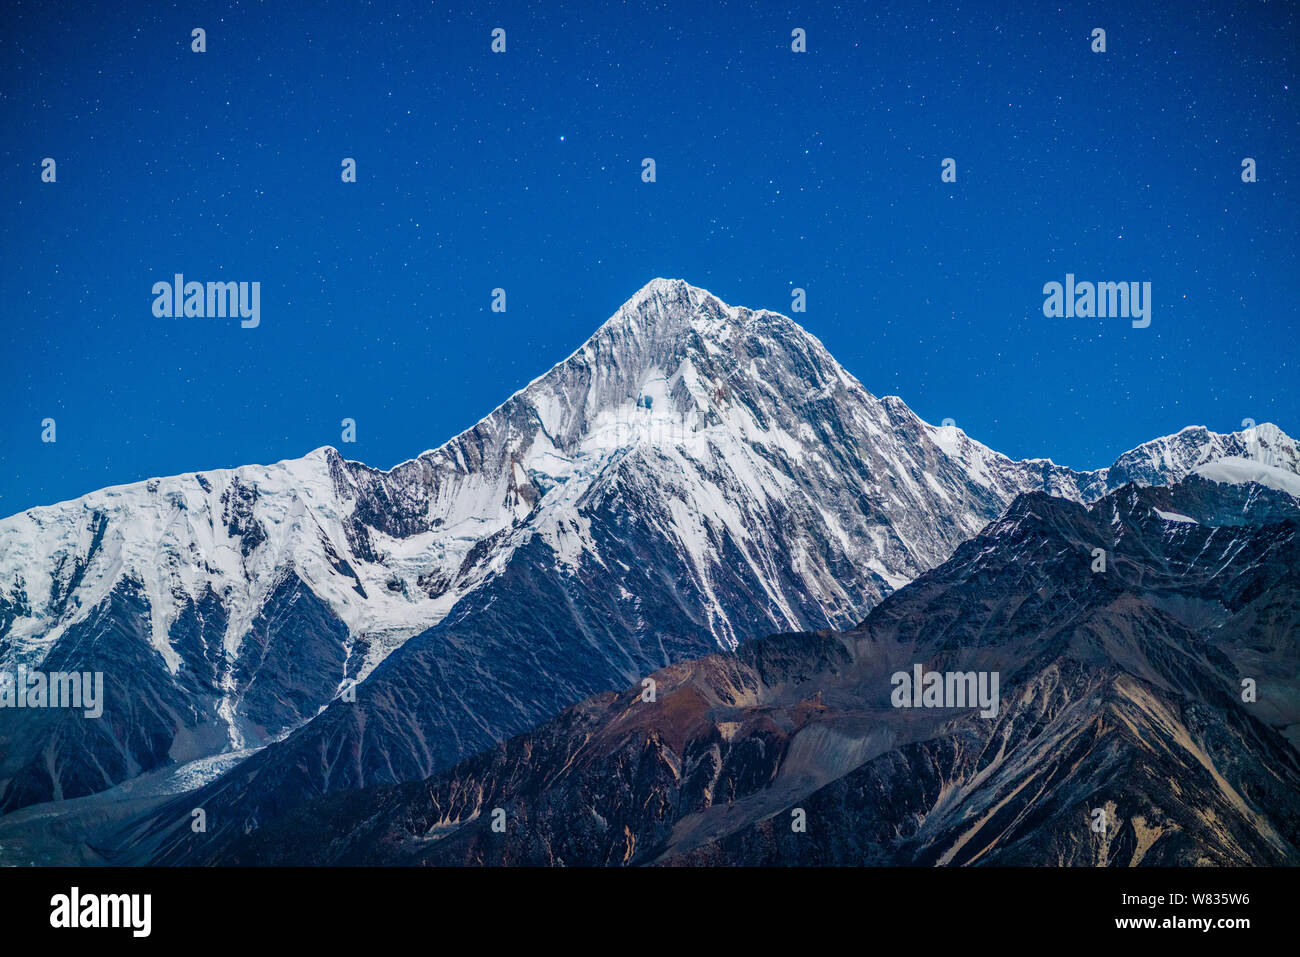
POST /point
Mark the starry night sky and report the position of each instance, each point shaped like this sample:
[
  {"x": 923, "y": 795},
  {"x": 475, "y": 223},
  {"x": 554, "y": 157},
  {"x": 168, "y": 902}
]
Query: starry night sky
[{"x": 523, "y": 171}]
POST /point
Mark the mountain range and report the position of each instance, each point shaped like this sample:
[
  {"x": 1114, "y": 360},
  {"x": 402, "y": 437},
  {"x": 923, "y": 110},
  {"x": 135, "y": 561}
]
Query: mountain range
[
  {"x": 694, "y": 477},
  {"x": 1120, "y": 707}
]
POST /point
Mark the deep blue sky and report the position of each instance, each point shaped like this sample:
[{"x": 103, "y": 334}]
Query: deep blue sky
[{"x": 522, "y": 171}]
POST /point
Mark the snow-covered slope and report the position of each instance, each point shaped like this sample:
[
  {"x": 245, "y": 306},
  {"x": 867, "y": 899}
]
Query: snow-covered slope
[
  {"x": 722, "y": 448},
  {"x": 1237, "y": 471},
  {"x": 228, "y": 531}
]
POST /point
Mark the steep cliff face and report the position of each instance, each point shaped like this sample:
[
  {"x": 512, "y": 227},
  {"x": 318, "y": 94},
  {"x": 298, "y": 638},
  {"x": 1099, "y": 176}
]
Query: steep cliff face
[{"x": 1122, "y": 735}]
